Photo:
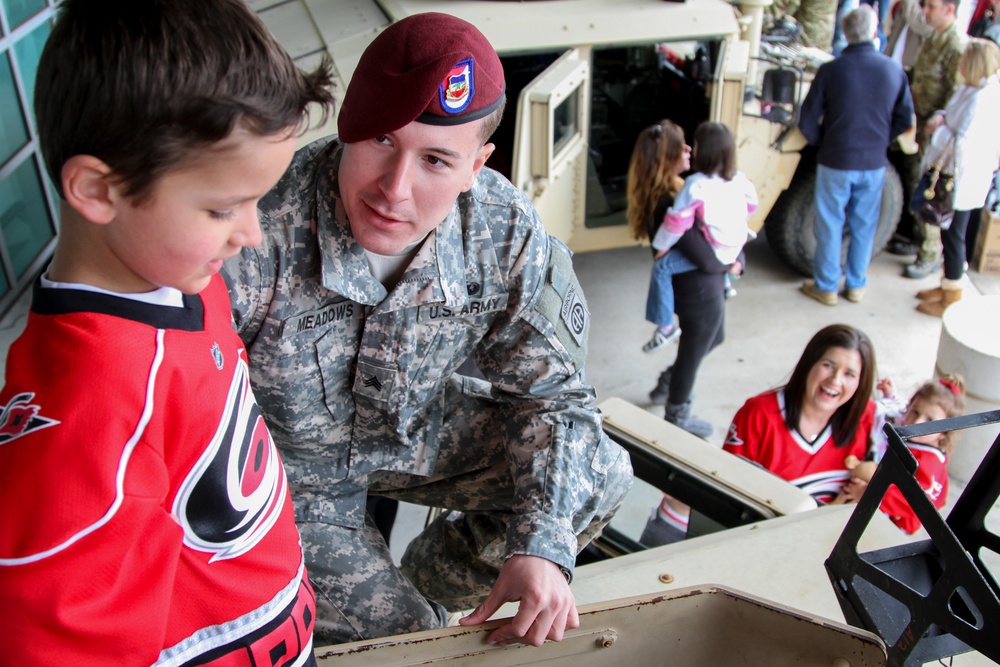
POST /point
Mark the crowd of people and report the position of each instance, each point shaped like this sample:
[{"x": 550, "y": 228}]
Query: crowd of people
[
  {"x": 268, "y": 337},
  {"x": 939, "y": 86}
]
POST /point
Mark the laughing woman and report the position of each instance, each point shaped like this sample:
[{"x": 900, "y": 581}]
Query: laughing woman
[{"x": 803, "y": 431}]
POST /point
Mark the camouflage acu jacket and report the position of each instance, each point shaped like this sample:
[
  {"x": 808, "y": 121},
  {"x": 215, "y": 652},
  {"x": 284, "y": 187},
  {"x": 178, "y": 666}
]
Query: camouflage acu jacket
[
  {"x": 935, "y": 73},
  {"x": 351, "y": 378}
]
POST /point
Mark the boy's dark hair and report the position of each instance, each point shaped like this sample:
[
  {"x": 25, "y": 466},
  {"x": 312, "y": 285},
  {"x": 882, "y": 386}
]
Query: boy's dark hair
[
  {"x": 142, "y": 84},
  {"x": 846, "y": 419},
  {"x": 715, "y": 150}
]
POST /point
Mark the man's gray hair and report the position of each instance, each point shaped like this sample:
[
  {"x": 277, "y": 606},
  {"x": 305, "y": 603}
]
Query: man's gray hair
[{"x": 859, "y": 25}]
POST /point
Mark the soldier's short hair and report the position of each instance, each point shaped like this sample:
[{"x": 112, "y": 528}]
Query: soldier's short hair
[
  {"x": 859, "y": 25},
  {"x": 144, "y": 85}
]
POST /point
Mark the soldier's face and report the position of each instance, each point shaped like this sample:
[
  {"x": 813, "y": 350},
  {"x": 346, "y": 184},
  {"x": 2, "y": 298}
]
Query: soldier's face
[
  {"x": 938, "y": 13},
  {"x": 399, "y": 186}
]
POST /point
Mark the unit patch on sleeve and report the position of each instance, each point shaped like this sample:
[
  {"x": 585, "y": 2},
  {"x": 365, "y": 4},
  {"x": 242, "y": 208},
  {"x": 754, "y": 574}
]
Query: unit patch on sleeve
[
  {"x": 574, "y": 314},
  {"x": 563, "y": 304}
]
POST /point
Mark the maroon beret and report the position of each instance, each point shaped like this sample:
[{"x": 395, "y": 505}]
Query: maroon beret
[{"x": 433, "y": 68}]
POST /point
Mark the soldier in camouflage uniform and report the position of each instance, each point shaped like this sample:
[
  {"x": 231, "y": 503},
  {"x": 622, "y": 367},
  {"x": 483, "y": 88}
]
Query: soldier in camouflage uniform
[
  {"x": 816, "y": 19},
  {"x": 934, "y": 79},
  {"x": 390, "y": 255}
]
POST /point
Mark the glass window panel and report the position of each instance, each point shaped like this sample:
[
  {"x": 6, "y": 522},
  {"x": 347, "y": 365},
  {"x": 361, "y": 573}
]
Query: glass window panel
[
  {"x": 24, "y": 218},
  {"x": 564, "y": 122},
  {"x": 13, "y": 133},
  {"x": 27, "y": 52},
  {"x": 19, "y": 11}
]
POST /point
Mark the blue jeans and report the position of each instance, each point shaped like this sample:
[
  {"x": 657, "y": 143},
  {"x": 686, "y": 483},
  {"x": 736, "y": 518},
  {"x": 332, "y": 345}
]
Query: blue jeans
[
  {"x": 660, "y": 300},
  {"x": 856, "y": 196}
]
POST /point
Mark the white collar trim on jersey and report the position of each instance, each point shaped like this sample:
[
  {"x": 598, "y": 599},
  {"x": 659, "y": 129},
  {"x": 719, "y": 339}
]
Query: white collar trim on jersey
[{"x": 164, "y": 296}]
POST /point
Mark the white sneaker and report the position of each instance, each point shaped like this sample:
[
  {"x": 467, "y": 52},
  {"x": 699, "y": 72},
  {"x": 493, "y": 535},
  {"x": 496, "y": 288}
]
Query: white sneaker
[{"x": 661, "y": 338}]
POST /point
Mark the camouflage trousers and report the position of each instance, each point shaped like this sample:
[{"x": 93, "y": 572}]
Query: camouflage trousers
[
  {"x": 816, "y": 18},
  {"x": 454, "y": 562},
  {"x": 927, "y": 237}
]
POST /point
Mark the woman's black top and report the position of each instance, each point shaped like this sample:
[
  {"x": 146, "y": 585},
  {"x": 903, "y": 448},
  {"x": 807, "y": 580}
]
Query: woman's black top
[{"x": 707, "y": 281}]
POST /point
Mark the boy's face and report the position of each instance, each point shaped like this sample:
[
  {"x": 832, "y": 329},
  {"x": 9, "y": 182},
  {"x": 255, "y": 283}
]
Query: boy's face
[
  {"x": 399, "y": 186},
  {"x": 198, "y": 215}
]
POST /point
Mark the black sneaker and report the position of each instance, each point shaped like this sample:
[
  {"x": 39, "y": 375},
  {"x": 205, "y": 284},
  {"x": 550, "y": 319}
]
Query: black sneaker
[
  {"x": 901, "y": 247},
  {"x": 661, "y": 392}
]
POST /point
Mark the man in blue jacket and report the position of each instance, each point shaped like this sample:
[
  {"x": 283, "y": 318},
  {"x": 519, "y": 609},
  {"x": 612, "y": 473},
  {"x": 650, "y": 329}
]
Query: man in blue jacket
[{"x": 857, "y": 104}]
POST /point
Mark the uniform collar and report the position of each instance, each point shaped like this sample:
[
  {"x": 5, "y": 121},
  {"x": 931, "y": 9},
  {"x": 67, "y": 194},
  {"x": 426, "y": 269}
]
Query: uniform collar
[{"x": 938, "y": 36}]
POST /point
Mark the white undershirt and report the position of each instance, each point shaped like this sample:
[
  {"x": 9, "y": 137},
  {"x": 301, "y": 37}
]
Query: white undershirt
[
  {"x": 388, "y": 269},
  {"x": 164, "y": 296}
]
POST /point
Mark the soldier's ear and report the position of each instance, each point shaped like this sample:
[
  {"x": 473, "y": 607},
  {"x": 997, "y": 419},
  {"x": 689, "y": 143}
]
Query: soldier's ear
[{"x": 481, "y": 157}]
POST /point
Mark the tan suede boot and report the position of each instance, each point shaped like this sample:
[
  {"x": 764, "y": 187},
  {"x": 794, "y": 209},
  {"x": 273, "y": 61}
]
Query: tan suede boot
[
  {"x": 937, "y": 308},
  {"x": 935, "y": 294}
]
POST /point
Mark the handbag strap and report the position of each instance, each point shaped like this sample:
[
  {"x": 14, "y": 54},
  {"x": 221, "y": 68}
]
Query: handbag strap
[{"x": 949, "y": 153}]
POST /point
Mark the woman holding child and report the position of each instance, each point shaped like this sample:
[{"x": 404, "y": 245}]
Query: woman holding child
[{"x": 659, "y": 158}]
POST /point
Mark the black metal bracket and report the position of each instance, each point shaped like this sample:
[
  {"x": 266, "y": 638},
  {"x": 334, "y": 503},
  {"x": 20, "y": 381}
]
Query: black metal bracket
[{"x": 932, "y": 598}]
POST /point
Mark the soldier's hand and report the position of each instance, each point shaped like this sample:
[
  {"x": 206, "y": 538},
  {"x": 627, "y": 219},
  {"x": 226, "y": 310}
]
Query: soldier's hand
[
  {"x": 933, "y": 123},
  {"x": 547, "y": 607}
]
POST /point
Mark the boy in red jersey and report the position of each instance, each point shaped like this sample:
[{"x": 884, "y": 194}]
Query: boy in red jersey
[{"x": 147, "y": 517}]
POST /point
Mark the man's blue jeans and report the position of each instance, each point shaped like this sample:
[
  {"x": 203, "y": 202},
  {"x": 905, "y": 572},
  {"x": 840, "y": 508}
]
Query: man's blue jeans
[
  {"x": 660, "y": 301},
  {"x": 854, "y": 196}
]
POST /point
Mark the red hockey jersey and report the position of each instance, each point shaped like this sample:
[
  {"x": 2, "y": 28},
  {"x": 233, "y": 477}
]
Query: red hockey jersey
[
  {"x": 932, "y": 475},
  {"x": 759, "y": 433},
  {"x": 146, "y": 515}
]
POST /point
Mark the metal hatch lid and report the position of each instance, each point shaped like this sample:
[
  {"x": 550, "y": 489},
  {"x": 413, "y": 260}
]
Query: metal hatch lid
[
  {"x": 686, "y": 624},
  {"x": 746, "y": 480}
]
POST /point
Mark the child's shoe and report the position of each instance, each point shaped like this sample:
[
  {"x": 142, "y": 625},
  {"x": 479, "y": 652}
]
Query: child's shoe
[
  {"x": 661, "y": 337},
  {"x": 730, "y": 291}
]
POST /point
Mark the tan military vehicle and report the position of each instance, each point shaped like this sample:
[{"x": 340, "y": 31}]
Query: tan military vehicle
[{"x": 585, "y": 76}]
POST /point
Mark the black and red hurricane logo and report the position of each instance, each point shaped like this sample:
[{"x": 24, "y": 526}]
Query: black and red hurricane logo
[
  {"x": 20, "y": 416},
  {"x": 235, "y": 492}
]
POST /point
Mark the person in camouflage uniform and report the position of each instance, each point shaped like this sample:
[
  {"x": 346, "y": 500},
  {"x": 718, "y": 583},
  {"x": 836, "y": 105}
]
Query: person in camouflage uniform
[
  {"x": 934, "y": 79},
  {"x": 390, "y": 255},
  {"x": 816, "y": 19}
]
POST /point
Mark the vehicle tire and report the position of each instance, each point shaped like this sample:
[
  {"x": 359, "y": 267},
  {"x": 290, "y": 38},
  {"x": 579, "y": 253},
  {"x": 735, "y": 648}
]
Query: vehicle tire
[{"x": 790, "y": 226}]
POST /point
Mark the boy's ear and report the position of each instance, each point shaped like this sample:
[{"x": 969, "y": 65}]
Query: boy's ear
[{"x": 88, "y": 188}]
